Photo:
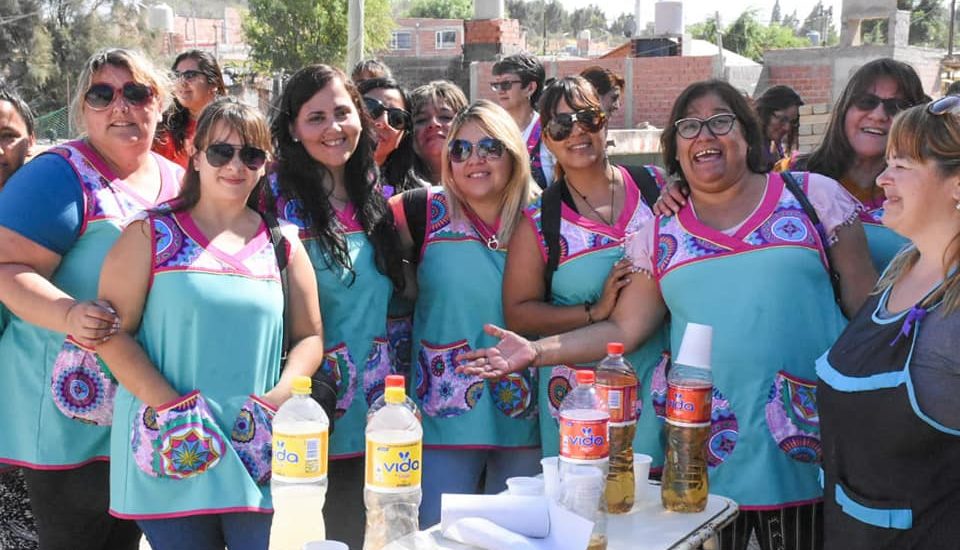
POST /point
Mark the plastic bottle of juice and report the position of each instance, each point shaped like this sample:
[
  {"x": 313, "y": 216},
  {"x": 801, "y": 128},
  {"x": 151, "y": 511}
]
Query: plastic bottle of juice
[
  {"x": 617, "y": 385},
  {"x": 393, "y": 467},
  {"x": 685, "y": 483},
  {"x": 584, "y": 455},
  {"x": 298, "y": 482}
]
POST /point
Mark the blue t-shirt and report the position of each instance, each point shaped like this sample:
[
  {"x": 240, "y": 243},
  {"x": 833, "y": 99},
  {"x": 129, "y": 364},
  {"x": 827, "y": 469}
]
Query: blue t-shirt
[{"x": 43, "y": 201}]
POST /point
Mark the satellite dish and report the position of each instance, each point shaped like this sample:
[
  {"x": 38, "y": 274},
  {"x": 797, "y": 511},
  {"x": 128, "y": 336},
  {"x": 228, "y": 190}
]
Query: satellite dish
[{"x": 629, "y": 28}]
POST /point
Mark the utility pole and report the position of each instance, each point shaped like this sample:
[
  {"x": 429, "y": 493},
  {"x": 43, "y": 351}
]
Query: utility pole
[
  {"x": 354, "y": 33},
  {"x": 723, "y": 69},
  {"x": 953, "y": 21}
]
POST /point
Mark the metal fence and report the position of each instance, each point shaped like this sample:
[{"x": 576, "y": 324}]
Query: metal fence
[{"x": 54, "y": 126}]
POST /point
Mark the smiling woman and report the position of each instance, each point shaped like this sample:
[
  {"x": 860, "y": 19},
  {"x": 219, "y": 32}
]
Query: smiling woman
[{"x": 433, "y": 107}]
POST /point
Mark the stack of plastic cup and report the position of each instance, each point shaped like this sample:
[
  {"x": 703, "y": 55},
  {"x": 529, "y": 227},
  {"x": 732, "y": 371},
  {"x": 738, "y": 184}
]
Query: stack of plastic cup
[
  {"x": 641, "y": 475},
  {"x": 551, "y": 477}
]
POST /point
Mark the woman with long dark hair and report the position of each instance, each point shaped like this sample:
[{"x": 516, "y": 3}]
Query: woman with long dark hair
[
  {"x": 198, "y": 82},
  {"x": 779, "y": 111},
  {"x": 325, "y": 182}
]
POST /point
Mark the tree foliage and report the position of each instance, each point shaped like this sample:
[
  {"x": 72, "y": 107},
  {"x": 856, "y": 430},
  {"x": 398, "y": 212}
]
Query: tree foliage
[
  {"x": 442, "y": 9},
  {"x": 289, "y": 34},
  {"x": 590, "y": 17},
  {"x": 747, "y": 36}
]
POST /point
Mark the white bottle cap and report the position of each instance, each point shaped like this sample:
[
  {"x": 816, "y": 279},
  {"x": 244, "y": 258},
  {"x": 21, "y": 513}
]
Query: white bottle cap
[{"x": 696, "y": 346}]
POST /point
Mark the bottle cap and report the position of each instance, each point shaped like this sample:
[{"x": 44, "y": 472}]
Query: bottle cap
[
  {"x": 585, "y": 376},
  {"x": 696, "y": 346},
  {"x": 615, "y": 348},
  {"x": 301, "y": 385},
  {"x": 394, "y": 395},
  {"x": 395, "y": 381}
]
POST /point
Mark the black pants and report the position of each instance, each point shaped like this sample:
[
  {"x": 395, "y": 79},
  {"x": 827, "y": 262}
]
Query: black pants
[
  {"x": 795, "y": 528},
  {"x": 70, "y": 507},
  {"x": 344, "y": 514}
]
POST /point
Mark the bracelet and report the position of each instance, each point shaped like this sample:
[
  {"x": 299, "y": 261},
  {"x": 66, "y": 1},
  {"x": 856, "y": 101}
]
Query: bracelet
[
  {"x": 537, "y": 353},
  {"x": 586, "y": 307}
]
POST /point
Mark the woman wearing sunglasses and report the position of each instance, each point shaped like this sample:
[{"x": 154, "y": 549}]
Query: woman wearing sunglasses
[
  {"x": 198, "y": 82},
  {"x": 387, "y": 104},
  {"x": 59, "y": 214},
  {"x": 888, "y": 386},
  {"x": 433, "y": 107},
  {"x": 325, "y": 182},
  {"x": 743, "y": 256},
  {"x": 196, "y": 398},
  {"x": 852, "y": 151},
  {"x": 594, "y": 204},
  {"x": 779, "y": 110},
  {"x": 458, "y": 235}
]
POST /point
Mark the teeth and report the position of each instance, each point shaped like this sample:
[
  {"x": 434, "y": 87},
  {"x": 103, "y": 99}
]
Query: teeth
[
  {"x": 874, "y": 131},
  {"x": 335, "y": 142},
  {"x": 477, "y": 175},
  {"x": 580, "y": 146},
  {"x": 706, "y": 152}
]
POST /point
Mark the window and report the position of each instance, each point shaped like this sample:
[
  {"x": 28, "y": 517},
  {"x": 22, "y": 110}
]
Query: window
[
  {"x": 446, "y": 39},
  {"x": 401, "y": 40}
]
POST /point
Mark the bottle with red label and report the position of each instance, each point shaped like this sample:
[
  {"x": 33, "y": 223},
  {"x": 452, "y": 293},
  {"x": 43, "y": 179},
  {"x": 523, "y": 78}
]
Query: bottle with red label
[
  {"x": 585, "y": 455},
  {"x": 685, "y": 483},
  {"x": 618, "y": 386}
]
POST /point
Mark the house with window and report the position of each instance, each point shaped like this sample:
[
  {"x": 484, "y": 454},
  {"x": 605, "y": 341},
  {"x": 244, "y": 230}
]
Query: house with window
[{"x": 421, "y": 37}]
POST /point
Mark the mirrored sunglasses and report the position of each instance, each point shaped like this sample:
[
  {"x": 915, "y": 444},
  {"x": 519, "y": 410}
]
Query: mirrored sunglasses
[
  {"x": 561, "y": 126},
  {"x": 944, "y": 105},
  {"x": 460, "y": 149}
]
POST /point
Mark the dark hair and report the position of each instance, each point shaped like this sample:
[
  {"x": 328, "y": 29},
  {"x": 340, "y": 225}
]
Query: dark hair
[
  {"x": 300, "y": 177},
  {"x": 438, "y": 93},
  {"x": 603, "y": 79},
  {"x": 240, "y": 117},
  {"x": 397, "y": 169},
  {"x": 21, "y": 107},
  {"x": 834, "y": 156},
  {"x": 953, "y": 88},
  {"x": 176, "y": 119},
  {"x": 577, "y": 92},
  {"x": 778, "y": 98},
  {"x": 525, "y": 66},
  {"x": 739, "y": 106},
  {"x": 372, "y": 66}
]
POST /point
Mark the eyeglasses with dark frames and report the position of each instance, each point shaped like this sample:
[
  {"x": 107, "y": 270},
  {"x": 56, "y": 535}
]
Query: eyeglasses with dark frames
[
  {"x": 561, "y": 125},
  {"x": 719, "y": 125},
  {"x": 460, "y": 150},
  {"x": 219, "y": 154}
]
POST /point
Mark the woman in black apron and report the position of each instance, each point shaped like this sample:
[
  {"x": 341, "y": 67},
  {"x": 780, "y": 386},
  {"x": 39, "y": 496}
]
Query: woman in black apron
[{"x": 889, "y": 387}]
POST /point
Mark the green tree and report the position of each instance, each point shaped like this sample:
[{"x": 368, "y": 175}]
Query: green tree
[
  {"x": 775, "y": 14},
  {"x": 590, "y": 17},
  {"x": 747, "y": 37},
  {"x": 289, "y": 34},
  {"x": 442, "y": 9},
  {"x": 619, "y": 25},
  {"x": 929, "y": 22}
]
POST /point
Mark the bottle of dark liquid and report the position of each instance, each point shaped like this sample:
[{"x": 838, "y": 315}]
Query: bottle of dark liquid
[{"x": 685, "y": 483}]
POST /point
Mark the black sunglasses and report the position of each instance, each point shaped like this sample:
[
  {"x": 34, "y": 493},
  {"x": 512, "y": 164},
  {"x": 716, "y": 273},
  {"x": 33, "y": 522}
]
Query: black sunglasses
[
  {"x": 944, "y": 105},
  {"x": 719, "y": 125},
  {"x": 398, "y": 119},
  {"x": 100, "y": 96},
  {"x": 560, "y": 127},
  {"x": 188, "y": 74},
  {"x": 488, "y": 147},
  {"x": 219, "y": 154},
  {"x": 891, "y": 105},
  {"x": 504, "y": 85}
]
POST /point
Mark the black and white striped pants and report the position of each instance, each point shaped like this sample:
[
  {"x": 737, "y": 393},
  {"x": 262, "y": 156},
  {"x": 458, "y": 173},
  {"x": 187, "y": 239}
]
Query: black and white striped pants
[{"x": 795, "y": 528}]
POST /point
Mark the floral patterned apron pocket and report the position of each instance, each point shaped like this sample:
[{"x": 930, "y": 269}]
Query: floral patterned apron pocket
[
  {"x": 513, "y": 394},
  {"x": 792, "y": 417},
  {"x": 445, "y": 392},
  {"x": 252, "y": 437},
  {"x": 338, "y": 363},
  {"x": 144, "y": 441},
  {"x": 81, "y": 386},
  {"x": 562, "y": 379},
  {"x": 378, "y": 366},
  {"x": 400, "y": 334},
  {"x": 190, "y": 440}
]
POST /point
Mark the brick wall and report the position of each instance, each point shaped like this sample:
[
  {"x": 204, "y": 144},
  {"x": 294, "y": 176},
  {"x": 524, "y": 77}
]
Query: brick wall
[
  {"x": 814, "y": 118},
  {"x": 423, "y": 37},
  {"x": 812, "y": 82}
]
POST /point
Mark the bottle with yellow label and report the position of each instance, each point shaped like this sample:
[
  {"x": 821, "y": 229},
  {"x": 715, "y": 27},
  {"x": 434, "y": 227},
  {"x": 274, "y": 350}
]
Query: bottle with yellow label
[
  {"x": 394, "y": 460},
  {"x": 298, "y": 483}
]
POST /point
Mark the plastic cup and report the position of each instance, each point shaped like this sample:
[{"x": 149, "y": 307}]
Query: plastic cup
[
  {"x": 325, "y": 545},
  {"x": 641, "y": 475},
  {"x": 525, "y": 486},
  {"x": 551, "y": 477},
  {"x": 696, "y": 346}
]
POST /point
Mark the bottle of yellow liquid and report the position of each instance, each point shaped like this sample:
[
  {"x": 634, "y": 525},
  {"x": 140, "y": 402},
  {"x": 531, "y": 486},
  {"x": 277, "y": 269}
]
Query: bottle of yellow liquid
[
  {"x": 298, "y": 483},
  {"x": 618, "y": 386}
]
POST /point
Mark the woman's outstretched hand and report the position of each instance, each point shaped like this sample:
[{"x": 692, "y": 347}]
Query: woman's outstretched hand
[{"x": 512, "y": 354}]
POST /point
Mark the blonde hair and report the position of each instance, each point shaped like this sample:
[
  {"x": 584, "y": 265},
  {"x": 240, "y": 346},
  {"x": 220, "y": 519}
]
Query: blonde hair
[
  {"x": 520, "y": 189},
  {"x": 142, "y": 70},
  {"x": 920, "y": 136}
]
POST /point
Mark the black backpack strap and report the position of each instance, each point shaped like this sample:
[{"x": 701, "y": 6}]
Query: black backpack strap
[
  {"x": 645, "y": 183},
  {"x": 794, "y": 187},
  {"x": 415, "y": 210},
  {"x": 550, "y": 202},
  {"x": 279, "y": 243}
]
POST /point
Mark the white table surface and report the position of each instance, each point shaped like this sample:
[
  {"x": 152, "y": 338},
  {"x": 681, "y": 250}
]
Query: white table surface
[{"x": 647, "y": 527}]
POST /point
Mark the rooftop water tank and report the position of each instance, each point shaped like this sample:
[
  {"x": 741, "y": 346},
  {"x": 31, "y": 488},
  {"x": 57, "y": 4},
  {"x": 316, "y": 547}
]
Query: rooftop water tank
[
  {"x": 160, "y": 17},
  {"x": 668, "y": 18}
]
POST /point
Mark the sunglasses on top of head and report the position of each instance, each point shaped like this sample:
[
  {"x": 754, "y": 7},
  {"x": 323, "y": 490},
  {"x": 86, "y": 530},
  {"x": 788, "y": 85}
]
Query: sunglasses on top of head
[
  {"x": 719, "y": 125},
  {"x": 220, "y": 154},
  {"x": 561, "y": 126},
  {"x": 460, "y": 150},
  {"x": 891, "y": 105},
  {"x": 100, "y": 96},
  {"x": 946, "y": 104},
  {"x": 398, "y": 119}
]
